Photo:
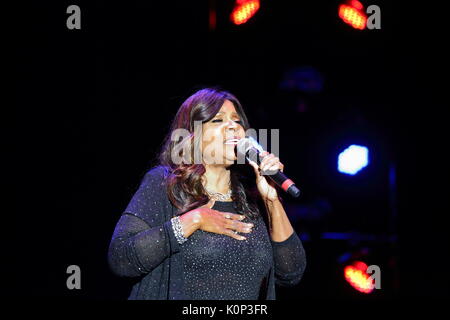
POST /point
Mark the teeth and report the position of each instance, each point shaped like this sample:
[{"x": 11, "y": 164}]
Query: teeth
[{"x": 231, "y": 141}]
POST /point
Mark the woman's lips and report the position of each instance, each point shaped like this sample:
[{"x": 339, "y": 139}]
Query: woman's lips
[{"x": 232, "y": 141}]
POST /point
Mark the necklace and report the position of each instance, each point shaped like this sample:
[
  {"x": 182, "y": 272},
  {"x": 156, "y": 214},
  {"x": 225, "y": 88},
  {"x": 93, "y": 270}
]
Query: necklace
[{"x": 219, "y": 196}]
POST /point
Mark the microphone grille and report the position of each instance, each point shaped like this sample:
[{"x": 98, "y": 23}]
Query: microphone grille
[
  {"x": 246, "y": 144},
  {"x": 242, "y": 146}
]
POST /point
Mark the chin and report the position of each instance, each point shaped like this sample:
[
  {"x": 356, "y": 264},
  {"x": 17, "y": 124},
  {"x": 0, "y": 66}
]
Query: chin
[{"x": 230, "y": 157}]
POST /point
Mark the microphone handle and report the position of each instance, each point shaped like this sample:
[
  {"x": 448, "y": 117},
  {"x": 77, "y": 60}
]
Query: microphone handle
[
  {"x": 285, "y": 183},
  {"x": 278, "y": 177}
]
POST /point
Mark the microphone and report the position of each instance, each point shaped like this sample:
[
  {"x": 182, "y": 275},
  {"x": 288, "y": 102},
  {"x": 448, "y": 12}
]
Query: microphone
[{"x": 250, "y": 149}]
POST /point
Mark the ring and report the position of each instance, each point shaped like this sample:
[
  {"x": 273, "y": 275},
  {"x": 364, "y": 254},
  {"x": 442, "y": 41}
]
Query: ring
[{"x": 227, "y": 216}]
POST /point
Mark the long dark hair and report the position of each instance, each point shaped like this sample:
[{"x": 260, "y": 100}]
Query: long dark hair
[{"x": 184, "y": 187}]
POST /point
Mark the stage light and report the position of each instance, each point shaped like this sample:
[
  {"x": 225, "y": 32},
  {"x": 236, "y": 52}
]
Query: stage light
[
  {"x": 356, "y": 275},
  {"x": 353, "y": 14},
  {"x": 353, "y": 159},
  {"x": 244, "y": 10}
]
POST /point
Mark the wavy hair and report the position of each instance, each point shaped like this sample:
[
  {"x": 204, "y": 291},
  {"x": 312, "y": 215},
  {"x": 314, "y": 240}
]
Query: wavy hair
[{"x": 184, "y": 181}]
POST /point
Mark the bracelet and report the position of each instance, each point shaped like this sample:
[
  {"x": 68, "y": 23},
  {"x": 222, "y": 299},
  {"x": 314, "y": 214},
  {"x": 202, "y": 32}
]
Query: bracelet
[{"x": 178, "y": 230}]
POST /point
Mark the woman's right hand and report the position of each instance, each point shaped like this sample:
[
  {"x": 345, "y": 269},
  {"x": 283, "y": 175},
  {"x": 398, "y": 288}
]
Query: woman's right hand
[{"x": 226, "y": 223}]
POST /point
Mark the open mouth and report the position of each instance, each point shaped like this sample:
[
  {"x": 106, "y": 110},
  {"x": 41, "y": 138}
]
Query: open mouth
[{"x": 232, "y": 141}]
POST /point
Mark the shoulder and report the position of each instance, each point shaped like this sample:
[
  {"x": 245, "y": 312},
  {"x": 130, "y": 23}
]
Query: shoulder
[
  {"x": 150, "y": 201},
  {"x": 156, "y": 175},
  {"x": 154, "y": 181}
]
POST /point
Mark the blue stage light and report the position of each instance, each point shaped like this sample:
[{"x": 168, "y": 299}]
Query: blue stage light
[{"x": 353, "y": 159}]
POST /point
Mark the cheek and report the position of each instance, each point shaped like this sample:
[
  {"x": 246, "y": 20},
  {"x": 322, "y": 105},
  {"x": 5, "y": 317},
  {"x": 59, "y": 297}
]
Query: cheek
[{"x": 211, "y": 136}]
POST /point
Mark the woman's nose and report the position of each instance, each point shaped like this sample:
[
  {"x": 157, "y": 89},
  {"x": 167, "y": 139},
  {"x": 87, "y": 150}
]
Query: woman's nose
[{"x": 231, "y": 124}]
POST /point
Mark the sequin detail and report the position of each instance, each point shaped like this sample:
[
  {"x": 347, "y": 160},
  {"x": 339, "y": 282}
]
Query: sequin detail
[{"x": 218, "y": 267}]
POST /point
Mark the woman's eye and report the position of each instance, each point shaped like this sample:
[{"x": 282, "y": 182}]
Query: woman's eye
[{"x": 220, "y": 120}]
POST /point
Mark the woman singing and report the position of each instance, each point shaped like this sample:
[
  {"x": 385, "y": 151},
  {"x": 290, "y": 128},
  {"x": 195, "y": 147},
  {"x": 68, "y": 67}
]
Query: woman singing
[{"x": 194, "y": 229}]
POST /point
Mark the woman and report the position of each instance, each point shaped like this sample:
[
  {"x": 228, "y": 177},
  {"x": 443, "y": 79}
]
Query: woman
[{"x": 194, "y": 230}]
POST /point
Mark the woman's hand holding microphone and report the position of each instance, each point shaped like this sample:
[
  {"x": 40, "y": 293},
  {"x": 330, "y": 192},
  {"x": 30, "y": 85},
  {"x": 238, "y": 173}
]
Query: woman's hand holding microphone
[{"x": 210, "y": 220}]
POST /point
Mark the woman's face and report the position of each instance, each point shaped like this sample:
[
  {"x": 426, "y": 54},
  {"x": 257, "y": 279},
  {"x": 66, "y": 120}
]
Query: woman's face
[{"x": 220, "y": 135}]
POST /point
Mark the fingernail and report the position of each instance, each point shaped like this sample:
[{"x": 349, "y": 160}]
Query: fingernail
[
  {"x": 246, "y": 229},
  {"x": 250, "y": 224},
  {"x": 243, "y": 238},
  {"x": 242, "y": 217}
]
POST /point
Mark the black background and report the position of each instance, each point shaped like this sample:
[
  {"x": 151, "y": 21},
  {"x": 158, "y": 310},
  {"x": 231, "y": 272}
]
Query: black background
[{"x": 93, "y": 105}]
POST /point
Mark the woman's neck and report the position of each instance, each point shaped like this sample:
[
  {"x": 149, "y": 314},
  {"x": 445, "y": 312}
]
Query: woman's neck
[{"x": 216, "y": 178}]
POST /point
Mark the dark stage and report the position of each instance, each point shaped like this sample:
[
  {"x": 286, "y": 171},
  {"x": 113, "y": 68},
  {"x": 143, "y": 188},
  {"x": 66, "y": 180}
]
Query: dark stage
[{"x": 92, "y": 106}]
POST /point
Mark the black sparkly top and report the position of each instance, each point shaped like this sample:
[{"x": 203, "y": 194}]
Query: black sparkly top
[
  {"x": 208, "y": 265},
  {"x": 219, "y": 267}
]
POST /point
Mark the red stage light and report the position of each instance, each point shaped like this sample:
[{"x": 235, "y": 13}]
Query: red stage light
[
  {"x": 358, "y": 278},
  {"x": 244, "y": 10},
  {"x": 352, "y": 13}
]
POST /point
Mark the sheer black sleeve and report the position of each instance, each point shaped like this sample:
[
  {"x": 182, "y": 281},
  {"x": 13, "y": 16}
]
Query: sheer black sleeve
[
  {"x": 143, "y": 237},
  {"x": 290, "y": 260}
]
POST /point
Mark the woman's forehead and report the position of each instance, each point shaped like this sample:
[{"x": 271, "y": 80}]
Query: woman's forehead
[{"x": 227, "y": 107}]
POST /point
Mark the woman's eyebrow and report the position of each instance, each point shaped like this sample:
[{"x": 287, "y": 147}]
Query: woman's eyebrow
[{"x": 233, "y": 113}]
